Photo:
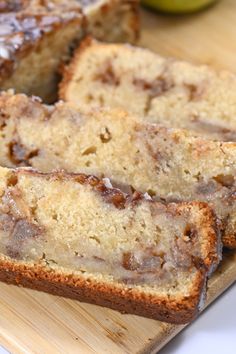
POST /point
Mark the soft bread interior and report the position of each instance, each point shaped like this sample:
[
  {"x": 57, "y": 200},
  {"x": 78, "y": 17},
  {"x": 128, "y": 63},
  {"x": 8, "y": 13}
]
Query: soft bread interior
[
  {"x": 178, "y": 166},
  {"x": 82, "y": 226},
  {"x": 157, "y": 89}
]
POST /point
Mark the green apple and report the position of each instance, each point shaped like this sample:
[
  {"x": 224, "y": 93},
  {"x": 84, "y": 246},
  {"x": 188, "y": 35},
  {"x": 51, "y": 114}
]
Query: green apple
[{"x": 177, "y": 6}]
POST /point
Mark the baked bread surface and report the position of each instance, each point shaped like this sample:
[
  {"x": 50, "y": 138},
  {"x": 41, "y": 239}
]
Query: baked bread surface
[
  {"x": 161, "y": 90},
  {"x": 97, "y": 244},
  {"x": 169, "y": 164}
]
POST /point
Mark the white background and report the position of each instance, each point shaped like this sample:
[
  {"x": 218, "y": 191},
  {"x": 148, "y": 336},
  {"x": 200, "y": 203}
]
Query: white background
[{"x": 213, "y": 332}]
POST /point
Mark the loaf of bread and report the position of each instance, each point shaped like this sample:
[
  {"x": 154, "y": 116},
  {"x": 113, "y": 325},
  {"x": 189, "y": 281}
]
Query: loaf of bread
[
  {"x": 74, "y": 235},
  {"x": 173, "y": 93},
  {"x": 37, "y": 36},
  {"x": 169, "y": 164}
]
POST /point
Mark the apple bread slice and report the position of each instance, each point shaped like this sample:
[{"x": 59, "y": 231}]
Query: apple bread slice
[
  {"x": 160, "y": 90},
  {"x": 75, "y": 235},
  {"x": 170, "y": 164}
]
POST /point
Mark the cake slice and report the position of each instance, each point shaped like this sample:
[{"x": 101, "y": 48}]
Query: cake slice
[
  {"x": 74, "y": 235},
  {"x": 167, "y": 91},
  {"x": 169, "y": 164},
  {"x": 37, "y": 36}
]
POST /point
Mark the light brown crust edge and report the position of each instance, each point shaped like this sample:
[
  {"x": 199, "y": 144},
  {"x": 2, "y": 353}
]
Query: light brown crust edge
[
  {"x": 68, "y": 71},
  {"x": 124, "y": 300},
  {"x": 209, "y": 226},
  {"x": 177, "y": 310}
]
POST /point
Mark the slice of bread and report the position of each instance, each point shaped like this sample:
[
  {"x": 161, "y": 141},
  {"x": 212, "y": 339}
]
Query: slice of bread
[
  {"x": 171, "y": 92},
  {"x": 170, "y": 164},
  {"x": 37, "y": 36},
  {"x": 74, "y": 235}
]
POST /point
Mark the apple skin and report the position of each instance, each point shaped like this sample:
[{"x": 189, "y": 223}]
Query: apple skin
[{"x": 177, "y": 6}]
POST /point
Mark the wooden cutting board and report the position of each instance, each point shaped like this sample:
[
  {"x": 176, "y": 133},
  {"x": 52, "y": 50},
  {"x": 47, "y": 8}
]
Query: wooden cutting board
[{"x": 33, "y": 322}]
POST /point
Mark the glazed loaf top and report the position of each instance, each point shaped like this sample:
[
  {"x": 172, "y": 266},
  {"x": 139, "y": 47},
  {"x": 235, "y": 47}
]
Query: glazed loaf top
[{"x": 23, "y": 23}]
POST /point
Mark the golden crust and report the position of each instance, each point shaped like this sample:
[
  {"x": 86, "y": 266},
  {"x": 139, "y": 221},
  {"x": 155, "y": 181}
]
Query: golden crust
[
  {"x": 125, "y": 300},
  {"x": 171, "y": 308},
  {"x": 208, "y": 222},
  {"x": 68, "y": 71}
]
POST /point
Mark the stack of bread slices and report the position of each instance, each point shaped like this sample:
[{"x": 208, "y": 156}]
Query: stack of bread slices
[{"x": 122, "y": 192}]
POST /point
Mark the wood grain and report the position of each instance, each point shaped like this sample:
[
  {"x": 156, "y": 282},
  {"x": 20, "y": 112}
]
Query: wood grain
[
  {"x": 33, "y": 322},
  {"x": 207, "y": 37}
]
